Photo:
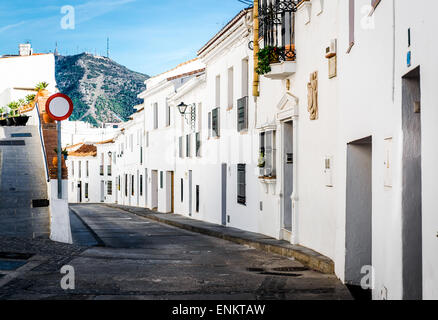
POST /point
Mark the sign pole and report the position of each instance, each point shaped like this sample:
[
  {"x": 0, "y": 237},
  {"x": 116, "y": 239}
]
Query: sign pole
[{"x": 59, "y": 162}]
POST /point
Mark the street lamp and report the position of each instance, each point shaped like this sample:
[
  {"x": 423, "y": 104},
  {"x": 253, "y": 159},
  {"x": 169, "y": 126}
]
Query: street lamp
[{"x": 182, "y": 107}]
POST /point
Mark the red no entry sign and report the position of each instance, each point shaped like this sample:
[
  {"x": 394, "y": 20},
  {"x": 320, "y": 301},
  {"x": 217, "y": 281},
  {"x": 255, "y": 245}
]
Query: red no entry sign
[{"x": 59, "y": 107}]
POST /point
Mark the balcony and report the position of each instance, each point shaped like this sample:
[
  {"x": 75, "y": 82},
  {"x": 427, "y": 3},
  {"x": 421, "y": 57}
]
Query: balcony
[{"x": 277, "y": 57}]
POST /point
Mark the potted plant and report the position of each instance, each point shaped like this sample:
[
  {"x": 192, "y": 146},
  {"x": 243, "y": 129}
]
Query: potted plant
[
  {"x": 41, "y": 88},
  {"x": 261, "y": 162},
  {"x": 19, "y": 119},
  {"x": 63, "y": 152},
  {"x": 13, "y": 110},
  {"x": 266, "y": 57},
  {"x": 2, "y": 117}
]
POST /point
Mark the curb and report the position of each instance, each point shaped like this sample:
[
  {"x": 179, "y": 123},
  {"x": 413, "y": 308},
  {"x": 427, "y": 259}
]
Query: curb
[
  {"x": 307, "y": 257},
  {"x": 99, "y": 241}
]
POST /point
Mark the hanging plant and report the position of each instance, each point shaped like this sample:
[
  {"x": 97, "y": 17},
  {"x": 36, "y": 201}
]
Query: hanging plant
[
  {"x": 261, "y": 163},
  {"x": 266, "y": 57}
]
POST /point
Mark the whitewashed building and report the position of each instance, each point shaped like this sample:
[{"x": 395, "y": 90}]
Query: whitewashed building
[{"x": 333, "y": 149}]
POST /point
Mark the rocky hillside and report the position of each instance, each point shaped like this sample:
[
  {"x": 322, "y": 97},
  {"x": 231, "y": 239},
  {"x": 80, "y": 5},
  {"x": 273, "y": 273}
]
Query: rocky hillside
[{"x": 101, "y": 89}]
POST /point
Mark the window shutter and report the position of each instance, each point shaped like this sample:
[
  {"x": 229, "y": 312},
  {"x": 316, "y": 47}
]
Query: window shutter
[{"x": 241, "y": 184}]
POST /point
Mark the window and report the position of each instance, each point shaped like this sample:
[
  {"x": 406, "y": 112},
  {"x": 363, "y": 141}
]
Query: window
[
  {"x": 242, "y": 114},
  {"x": 109, "y": 188},
  {"x": 126, "y": 185},
  {"x": 80, "y": 169},
  {"x": 198, "y": 144},
  {"x": 167, "y": 113},
  {"x": 86, "y": 190},
  {"x": 132, "y": 185},
  {"x": 188, "y": 146},
  {"x": 181, "y": 152},
  {"x": 118, "y": 183},
  {"x": 230, "y": 88},
  {"x": 182, "y": 190},
  {"x": 197, "y": 198},
  {"x": 241, "y": 184},
  {"x": 155, "y": 115},
  {"x": 267, "y": 154},
  {"x": 141, "y": 185},
  {"x": 245, "y": 77},
  {"x": 87, "y": 169},
  {"x": 215, "y": 122},
  {"x": 73, "y": 168},
  {"x": 218, "y": 91},
  {"x": 161, "y": 180},
  {"x": 141, "y": 155},
  {"x": 351, "y": 24},
  {"x": 147, "y": 139}
]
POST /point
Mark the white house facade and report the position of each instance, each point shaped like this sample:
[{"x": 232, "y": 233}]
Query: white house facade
[{"x": 332, "y": 149}]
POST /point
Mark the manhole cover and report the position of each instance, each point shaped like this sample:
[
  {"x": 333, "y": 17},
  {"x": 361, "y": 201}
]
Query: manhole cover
[
  {"x": 7, "y": 265},
  {"x": 290, "y": 269}
]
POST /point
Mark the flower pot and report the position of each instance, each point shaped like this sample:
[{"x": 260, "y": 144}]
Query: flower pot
[
  {"x": 65, "y": 157},
  {"x": 10, "y": 122},
  {"x": 47, "y": 118},
  {"x": 290, "y": 52},
  {"x": 43, "y": 93},
  {"x": 16, "y": 121},
  {"x": 55, "y": 162},
  {"x": 21, "y": 120},
  {"x": 3, "y": 122}
]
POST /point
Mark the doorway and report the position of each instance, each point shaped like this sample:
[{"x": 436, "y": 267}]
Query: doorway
[
  {"x": 172, "y": 192},
  {"x": 224, "y": 194},
  {"x": 190, "y": 193},
  {"x": 358, "y": 215},
  {"x": 412, "y": 232},
  {"x": 154, "y": 190},
  {"x": 102, "y": 191},
  {"x": 288, "y": 170},
  {"x": 80, "y": 192}
]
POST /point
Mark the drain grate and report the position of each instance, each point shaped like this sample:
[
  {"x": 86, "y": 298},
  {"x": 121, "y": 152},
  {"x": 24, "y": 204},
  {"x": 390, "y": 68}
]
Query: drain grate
[
  {"x": 255, "y": 269},
  {"x": 15, "y": 256},
  {"x": 40, "y": 203},
  {"x": 12, "y": 143},
  {"x": 290, "y": 269},
  {"x": 21, "y": 135}
]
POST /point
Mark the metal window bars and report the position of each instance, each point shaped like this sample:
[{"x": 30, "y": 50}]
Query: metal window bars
[{"x": 277, "y": 26}]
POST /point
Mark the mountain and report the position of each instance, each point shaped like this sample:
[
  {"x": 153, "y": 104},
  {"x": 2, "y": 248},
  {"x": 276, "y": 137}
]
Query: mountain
[{"x": 101, "y": 89}]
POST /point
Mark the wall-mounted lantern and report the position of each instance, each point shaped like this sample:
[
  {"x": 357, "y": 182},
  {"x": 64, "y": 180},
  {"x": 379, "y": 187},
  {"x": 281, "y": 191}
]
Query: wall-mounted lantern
[{"x": 182, "y": 107}]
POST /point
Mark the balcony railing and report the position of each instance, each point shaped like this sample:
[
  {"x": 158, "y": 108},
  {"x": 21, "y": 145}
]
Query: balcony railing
[
  {"x": 109, "y": 170},
  {"x": 277, "y": 26},
  {"x": 101, "y": 170}
]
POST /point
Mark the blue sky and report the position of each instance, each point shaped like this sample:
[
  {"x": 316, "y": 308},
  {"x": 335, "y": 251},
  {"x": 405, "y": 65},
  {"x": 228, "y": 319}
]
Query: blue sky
[{"x": 148, "y": 36}]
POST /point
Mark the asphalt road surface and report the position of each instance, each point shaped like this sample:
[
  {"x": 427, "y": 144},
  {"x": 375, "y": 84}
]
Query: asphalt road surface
[{"x": 131, "y": 257}]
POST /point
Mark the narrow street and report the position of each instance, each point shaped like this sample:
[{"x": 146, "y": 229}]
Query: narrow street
[{"x": 131, "y": 257}]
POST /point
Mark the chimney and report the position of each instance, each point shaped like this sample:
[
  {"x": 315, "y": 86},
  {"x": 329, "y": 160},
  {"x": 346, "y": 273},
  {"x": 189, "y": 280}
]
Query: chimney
[{"x": 25, "y": 49}]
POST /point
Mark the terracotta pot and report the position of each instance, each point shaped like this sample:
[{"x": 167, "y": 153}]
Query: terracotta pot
[
  {"x": 290, "y": 55},
  {"x": 55, "y": 161},
  {"x": 47, "y": 118},
  {"x": 43, "y": 93}
]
